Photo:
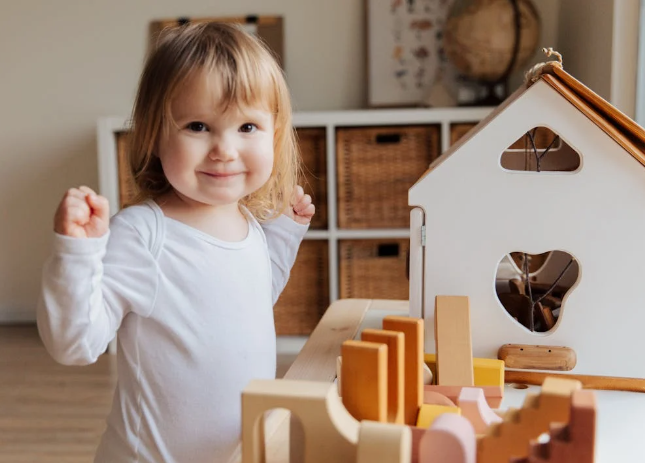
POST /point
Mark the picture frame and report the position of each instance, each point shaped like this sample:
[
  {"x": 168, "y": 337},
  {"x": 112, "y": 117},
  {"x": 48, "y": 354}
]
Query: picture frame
[{"x": 406, "y": 65}]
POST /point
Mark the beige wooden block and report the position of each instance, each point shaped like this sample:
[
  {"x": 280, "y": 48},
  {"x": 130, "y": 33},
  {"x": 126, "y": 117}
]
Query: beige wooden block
[
  {"x": 412, "y": 329},
  {"x": 453, "y": 342},
  {"x": 394, "y": 340},
  {"x": 330, "y": 433},
  {"x": 364, "y": 379},
  {"x": 380, "y": 442}
]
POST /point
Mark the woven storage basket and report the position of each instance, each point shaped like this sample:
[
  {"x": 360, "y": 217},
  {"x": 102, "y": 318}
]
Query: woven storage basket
[
  {"x": 542, "y": 137},
  {"x": 376, "y": 167},
  {"x": 306, "y": 296},
  {"x": 126, "y": 182},
  {"x": 374, "y": 269},
  {"x": 313, "y": 149}
]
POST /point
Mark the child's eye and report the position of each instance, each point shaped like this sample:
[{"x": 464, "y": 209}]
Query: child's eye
[
  {"x": 197, "y": 127},
  {"x": 248, "y": 127}
]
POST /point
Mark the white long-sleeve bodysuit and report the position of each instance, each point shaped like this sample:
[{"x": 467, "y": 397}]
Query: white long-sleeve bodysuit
[{"x": 195, "y": 323}]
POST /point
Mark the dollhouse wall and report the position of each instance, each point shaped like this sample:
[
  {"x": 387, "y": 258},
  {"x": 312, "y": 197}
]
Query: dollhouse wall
[{"x": 477, "y": 212}]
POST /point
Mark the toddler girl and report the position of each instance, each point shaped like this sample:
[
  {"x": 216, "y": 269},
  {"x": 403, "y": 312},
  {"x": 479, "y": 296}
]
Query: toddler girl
[{"x": 189, "y": 275}]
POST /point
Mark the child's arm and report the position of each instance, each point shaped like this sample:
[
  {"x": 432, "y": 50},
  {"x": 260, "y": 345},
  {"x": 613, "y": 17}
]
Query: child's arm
[
  {"x": 93, "y": 278},
  {"x": 284, "y": 235}
]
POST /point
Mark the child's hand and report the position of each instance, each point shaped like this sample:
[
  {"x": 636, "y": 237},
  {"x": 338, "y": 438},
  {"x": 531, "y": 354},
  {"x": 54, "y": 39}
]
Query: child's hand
[
  {"x": 302, "y": 209},
  {"x": 82, "y": 214}
]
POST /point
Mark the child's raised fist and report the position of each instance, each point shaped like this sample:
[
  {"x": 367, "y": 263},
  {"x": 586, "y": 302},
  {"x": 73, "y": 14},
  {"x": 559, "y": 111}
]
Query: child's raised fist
[
  {"x": 82, "y": 214},
  {"x": 302, "y": 208}
]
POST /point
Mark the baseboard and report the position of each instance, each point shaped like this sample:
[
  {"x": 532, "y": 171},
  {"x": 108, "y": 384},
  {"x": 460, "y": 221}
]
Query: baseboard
[{"x": 9, "y": 315}]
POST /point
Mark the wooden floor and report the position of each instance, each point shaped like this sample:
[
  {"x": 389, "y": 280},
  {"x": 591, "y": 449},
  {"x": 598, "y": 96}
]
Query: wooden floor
[{"x": 49, "y": 413}]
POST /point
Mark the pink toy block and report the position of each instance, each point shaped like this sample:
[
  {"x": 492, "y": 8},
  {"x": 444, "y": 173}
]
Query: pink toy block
[{"x": 475, "y": 408}]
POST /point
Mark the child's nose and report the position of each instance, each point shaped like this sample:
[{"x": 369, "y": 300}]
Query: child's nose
[{"x": 222, "y": 150}]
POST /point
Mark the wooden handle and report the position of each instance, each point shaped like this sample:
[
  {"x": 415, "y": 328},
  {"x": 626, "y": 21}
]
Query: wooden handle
[{"x": 528, "y": 357}]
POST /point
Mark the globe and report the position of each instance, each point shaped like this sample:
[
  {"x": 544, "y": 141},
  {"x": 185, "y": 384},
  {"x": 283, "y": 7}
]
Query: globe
[{"x": 480, "y": 37}]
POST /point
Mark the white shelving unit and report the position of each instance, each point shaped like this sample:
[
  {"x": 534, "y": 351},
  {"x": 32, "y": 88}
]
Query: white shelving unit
[{"x": 330, "y": 121}]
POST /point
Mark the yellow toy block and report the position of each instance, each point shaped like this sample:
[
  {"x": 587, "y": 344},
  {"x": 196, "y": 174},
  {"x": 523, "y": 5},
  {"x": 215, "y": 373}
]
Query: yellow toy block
[
  {"x": 428, "y": 413},
  {"x": 487, "y": 372}
]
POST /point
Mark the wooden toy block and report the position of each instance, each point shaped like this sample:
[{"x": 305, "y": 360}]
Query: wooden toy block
[
  {"x": 412, "y": 329},
  {"x": 572, "y": 442},
  {"x": 328, "y": 432},
  {"x": 529, "y": 357},
  {"x": 453, "y": 344},
  {"x": 395, "y": 369},
  {"x": 339, "y": 364},
  {"x": 417, "y": 435},
  {"x": 473, "y": 406},
  {"x": 493, "y": 394},
  {"x": 364, "y": 379},
  {"x": 428, "y": 413},
  {"x": 510, "y": 437},
  {"x": 382, "y": 442},
  {"x": 428, "y": 376},
  {"x": 434, "y": 398},
  {"x": 486, "y": 372},
  {"x": 451, "y": 439}
]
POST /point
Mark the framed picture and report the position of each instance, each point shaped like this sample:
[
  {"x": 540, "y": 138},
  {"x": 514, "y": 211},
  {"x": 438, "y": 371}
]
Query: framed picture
[
  {"x": 268, "y": 28},
  {"x": 406, "y": 63}
]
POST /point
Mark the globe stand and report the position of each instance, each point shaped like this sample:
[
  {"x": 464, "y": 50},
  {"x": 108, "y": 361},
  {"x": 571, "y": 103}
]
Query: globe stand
[
  {"x": 493, "y": 93},
  {"x": 482, "y": 93}
]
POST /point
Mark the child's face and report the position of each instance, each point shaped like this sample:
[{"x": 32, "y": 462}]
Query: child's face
[{"x": 212, "y": 157}]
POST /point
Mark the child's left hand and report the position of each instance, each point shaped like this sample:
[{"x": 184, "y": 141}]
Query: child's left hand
[{"x": 302, "y": 210}]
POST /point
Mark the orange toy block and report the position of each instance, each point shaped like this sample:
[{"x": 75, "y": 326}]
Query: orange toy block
[
  {"x": 451, "y": 439},
  {"x": 510, "y": 437},
  {"x": 473, "y": 406},
  {"x": 412, "y": 329},
  {"x": 395, "y": 369},
  {"x": 493, "y": 394},
  {"x": 452, "y": 341},
  {"x": 364, "y": 379}
]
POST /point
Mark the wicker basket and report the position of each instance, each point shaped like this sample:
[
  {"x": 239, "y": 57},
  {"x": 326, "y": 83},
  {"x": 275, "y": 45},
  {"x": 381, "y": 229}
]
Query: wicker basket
[
  {"x": 126, "y": 182},
  {"x": 306, "y": 296},
  {"x": 376, "y": 167},
  {"x": 374, "y": 269},
  {"x": 313, "y": 149},
  {"x": 542, "y": 137}
]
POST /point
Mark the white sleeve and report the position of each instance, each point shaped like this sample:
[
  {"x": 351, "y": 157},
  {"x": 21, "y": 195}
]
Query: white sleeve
[
  {"x": 89, "y": 286},
  {"x": 284, "y": 236}
]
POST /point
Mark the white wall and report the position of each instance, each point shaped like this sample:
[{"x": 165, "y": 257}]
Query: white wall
[
  {"x": 600, "y": 47},
  {"x": 64, "y": 63}
]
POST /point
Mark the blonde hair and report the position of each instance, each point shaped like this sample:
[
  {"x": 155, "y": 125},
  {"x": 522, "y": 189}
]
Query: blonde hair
[{"x": 250, "y": 76}]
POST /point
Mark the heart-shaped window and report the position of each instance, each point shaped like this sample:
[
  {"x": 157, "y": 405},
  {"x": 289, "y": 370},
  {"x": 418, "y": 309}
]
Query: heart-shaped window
[{"x": 532, "y": 288}]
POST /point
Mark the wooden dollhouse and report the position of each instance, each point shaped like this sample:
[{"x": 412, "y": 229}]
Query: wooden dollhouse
[{"x": 477, "y": 204}]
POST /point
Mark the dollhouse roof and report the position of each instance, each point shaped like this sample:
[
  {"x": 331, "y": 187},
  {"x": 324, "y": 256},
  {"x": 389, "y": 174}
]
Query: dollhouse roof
[{"x": 623, "y": 130}]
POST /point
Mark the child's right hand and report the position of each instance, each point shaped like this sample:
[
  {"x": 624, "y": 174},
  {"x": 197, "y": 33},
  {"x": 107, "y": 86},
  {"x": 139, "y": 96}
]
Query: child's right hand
[{"x": 82, "y": 214}]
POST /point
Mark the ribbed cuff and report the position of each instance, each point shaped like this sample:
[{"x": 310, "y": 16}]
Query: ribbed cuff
[{"x": 79, "y": 246}]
